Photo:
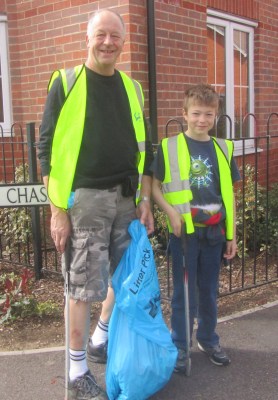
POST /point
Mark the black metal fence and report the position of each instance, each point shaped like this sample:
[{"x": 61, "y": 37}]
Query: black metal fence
[
  {"x": 25, "y": 237},
  {"x": 24, "y": 234}
]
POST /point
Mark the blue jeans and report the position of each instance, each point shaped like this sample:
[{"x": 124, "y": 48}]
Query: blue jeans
[{"x": 203, "y": 262}]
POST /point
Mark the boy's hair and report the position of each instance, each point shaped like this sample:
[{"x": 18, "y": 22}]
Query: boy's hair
[{"x": 202, "y": 94}]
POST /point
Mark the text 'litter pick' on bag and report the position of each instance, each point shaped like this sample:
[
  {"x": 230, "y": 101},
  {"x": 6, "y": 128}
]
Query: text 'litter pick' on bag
[{"x": 141, "y": 354}]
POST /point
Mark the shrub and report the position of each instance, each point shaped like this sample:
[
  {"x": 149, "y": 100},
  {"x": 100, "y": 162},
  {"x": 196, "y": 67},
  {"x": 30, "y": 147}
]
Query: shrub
[
  {"x": 160, "y": 238},
  {"x": 272, "y": 221},
  {"x": 18, "y": 300},
  {"x": 251, "y": 215},
  {"x": 16, "y": 295},
  {"x": 15, "y": 223}
]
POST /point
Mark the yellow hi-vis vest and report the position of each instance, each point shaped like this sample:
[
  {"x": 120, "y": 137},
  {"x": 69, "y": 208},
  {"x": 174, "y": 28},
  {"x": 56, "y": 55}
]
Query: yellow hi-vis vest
[
  {"x": 176, "y": 186},
  {"x": 70, "y": 126}
]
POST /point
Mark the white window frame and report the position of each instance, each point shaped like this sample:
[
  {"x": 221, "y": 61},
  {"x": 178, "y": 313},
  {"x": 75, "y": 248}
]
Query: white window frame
[
  {"x": 6, "y": 84},
  {"x": 231, "y": 23}
]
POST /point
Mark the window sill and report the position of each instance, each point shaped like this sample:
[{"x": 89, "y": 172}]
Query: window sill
[{"x": 249, "y": 147}]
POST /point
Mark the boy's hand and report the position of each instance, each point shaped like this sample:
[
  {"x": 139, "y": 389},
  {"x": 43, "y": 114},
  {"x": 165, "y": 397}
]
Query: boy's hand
[
  {"x": 177, "y": 222},
  {"x": 231, "y": 249}
]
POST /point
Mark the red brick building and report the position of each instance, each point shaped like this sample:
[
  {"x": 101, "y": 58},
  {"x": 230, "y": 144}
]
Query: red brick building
[{"x": 170, "y": 43}]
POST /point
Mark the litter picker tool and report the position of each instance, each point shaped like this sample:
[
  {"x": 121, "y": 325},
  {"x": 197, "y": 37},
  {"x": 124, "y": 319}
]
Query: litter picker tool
[
  {"x": 67, "y": 316},
  {"x": 185, "y": 273},
  {"x": 186, "y": 306}
]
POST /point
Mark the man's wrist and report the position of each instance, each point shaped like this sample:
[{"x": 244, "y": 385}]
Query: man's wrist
[{"x": 144, "y": 199}]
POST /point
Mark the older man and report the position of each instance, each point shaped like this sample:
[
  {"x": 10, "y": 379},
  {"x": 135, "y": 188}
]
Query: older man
[{"x": 95, "y": 156}]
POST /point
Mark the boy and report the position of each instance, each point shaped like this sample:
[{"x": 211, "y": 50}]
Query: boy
[{"x": 193, "y": 184}]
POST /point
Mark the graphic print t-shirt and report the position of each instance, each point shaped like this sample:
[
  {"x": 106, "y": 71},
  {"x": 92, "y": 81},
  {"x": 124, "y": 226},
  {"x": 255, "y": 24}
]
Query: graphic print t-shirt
[{"x": 204, "y": 174}]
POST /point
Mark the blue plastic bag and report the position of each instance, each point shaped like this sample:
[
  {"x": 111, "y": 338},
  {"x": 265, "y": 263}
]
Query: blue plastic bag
[{"x": 141, "y": 354}]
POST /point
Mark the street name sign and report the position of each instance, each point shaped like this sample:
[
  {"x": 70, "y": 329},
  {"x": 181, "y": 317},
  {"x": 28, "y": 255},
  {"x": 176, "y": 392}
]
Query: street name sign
[{"x": 23, "y": 195}]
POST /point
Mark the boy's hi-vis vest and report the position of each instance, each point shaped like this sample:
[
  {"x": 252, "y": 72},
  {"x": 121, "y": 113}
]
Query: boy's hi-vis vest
[
  {"x": 176, "y": 187},
  {"x": 70, "y": 126}
]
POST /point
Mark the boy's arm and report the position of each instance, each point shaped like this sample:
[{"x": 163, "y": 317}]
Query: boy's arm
[
  {"x": 231, "y": 246},
  {"x": 175, "y": 218}
]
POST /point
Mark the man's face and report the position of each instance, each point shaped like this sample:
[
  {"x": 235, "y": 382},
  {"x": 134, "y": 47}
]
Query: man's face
[{"x": 105, "y": 43}]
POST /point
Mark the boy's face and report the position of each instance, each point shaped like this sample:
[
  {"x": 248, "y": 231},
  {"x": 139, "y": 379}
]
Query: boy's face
[{"x": 200, "y": 119}]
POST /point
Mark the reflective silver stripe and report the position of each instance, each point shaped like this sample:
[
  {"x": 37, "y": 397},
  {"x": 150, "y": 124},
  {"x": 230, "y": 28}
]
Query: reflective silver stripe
[
  {"x": 173, "y": 158},
  {"x": 142, "y": 146},
  {"x": 172, "y": 147},
  {"x": 138, "y": 191},
  {"x": 183, "y": 208},
  {"x": 175, "y": 168},
  {"x": 177, "y": 186},
  {"x": 223, "y": 146},
  {"x": 139, "y": 93},
  {"x": 71, "y": 77}
]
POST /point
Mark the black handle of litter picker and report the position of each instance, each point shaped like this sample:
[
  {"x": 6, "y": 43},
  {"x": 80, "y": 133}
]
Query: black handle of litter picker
[
  {"x": 184, "y": 250},
  {"x": 67, "y": 255}
]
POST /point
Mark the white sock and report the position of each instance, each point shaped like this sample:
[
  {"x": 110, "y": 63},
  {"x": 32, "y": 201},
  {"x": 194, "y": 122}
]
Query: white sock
[
  {"x": 78, "y": 364},
  {"x": 100, "y": 334}
]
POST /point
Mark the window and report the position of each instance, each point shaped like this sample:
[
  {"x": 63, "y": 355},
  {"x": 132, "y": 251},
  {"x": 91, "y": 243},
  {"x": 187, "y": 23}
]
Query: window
[
  {"x": 5, "y": 92},
  {"x": 231, "y": 72}
]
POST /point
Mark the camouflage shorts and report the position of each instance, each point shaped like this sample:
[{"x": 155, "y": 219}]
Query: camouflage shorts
[{"x": 100, "y": 219}]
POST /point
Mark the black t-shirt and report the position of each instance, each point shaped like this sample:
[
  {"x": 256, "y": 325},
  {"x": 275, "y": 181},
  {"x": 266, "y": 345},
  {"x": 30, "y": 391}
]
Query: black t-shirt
[{"x": 109, "y": 150}]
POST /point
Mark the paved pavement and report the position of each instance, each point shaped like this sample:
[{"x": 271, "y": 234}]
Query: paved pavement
[{"x": 250, "y": 338}]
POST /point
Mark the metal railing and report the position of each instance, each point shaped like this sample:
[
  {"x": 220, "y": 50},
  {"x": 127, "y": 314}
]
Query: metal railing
[{"x": 257, "y": 212}]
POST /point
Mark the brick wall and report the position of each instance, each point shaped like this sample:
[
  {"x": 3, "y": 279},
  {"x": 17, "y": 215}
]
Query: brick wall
[
  {"x": 49, "y": 34},
  {"x": 242, "y": 8},
  {"x": 45, "y": 35},
  {"x": 266, "y": 61},
  {"x": 265, "y": 54},
  {"x": 181, "y": 54},
  {"x": 135, "y": 54}
]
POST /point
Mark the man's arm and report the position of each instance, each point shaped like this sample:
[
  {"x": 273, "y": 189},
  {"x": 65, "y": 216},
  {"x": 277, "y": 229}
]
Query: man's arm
[
  {"x": 144, "y": 211},
  {"x": 60, "y": 226},
  {"x": 52, "y": 108}
]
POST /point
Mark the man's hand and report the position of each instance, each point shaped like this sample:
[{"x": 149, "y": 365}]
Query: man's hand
[
  {"x": 144, "y": 213},
  {"x": 143, "y": 210},
  {"x": 60, "y": 228}
]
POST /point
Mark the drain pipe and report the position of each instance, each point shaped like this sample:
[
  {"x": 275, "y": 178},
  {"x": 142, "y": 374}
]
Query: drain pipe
[{"x": 152, "y": 70}]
